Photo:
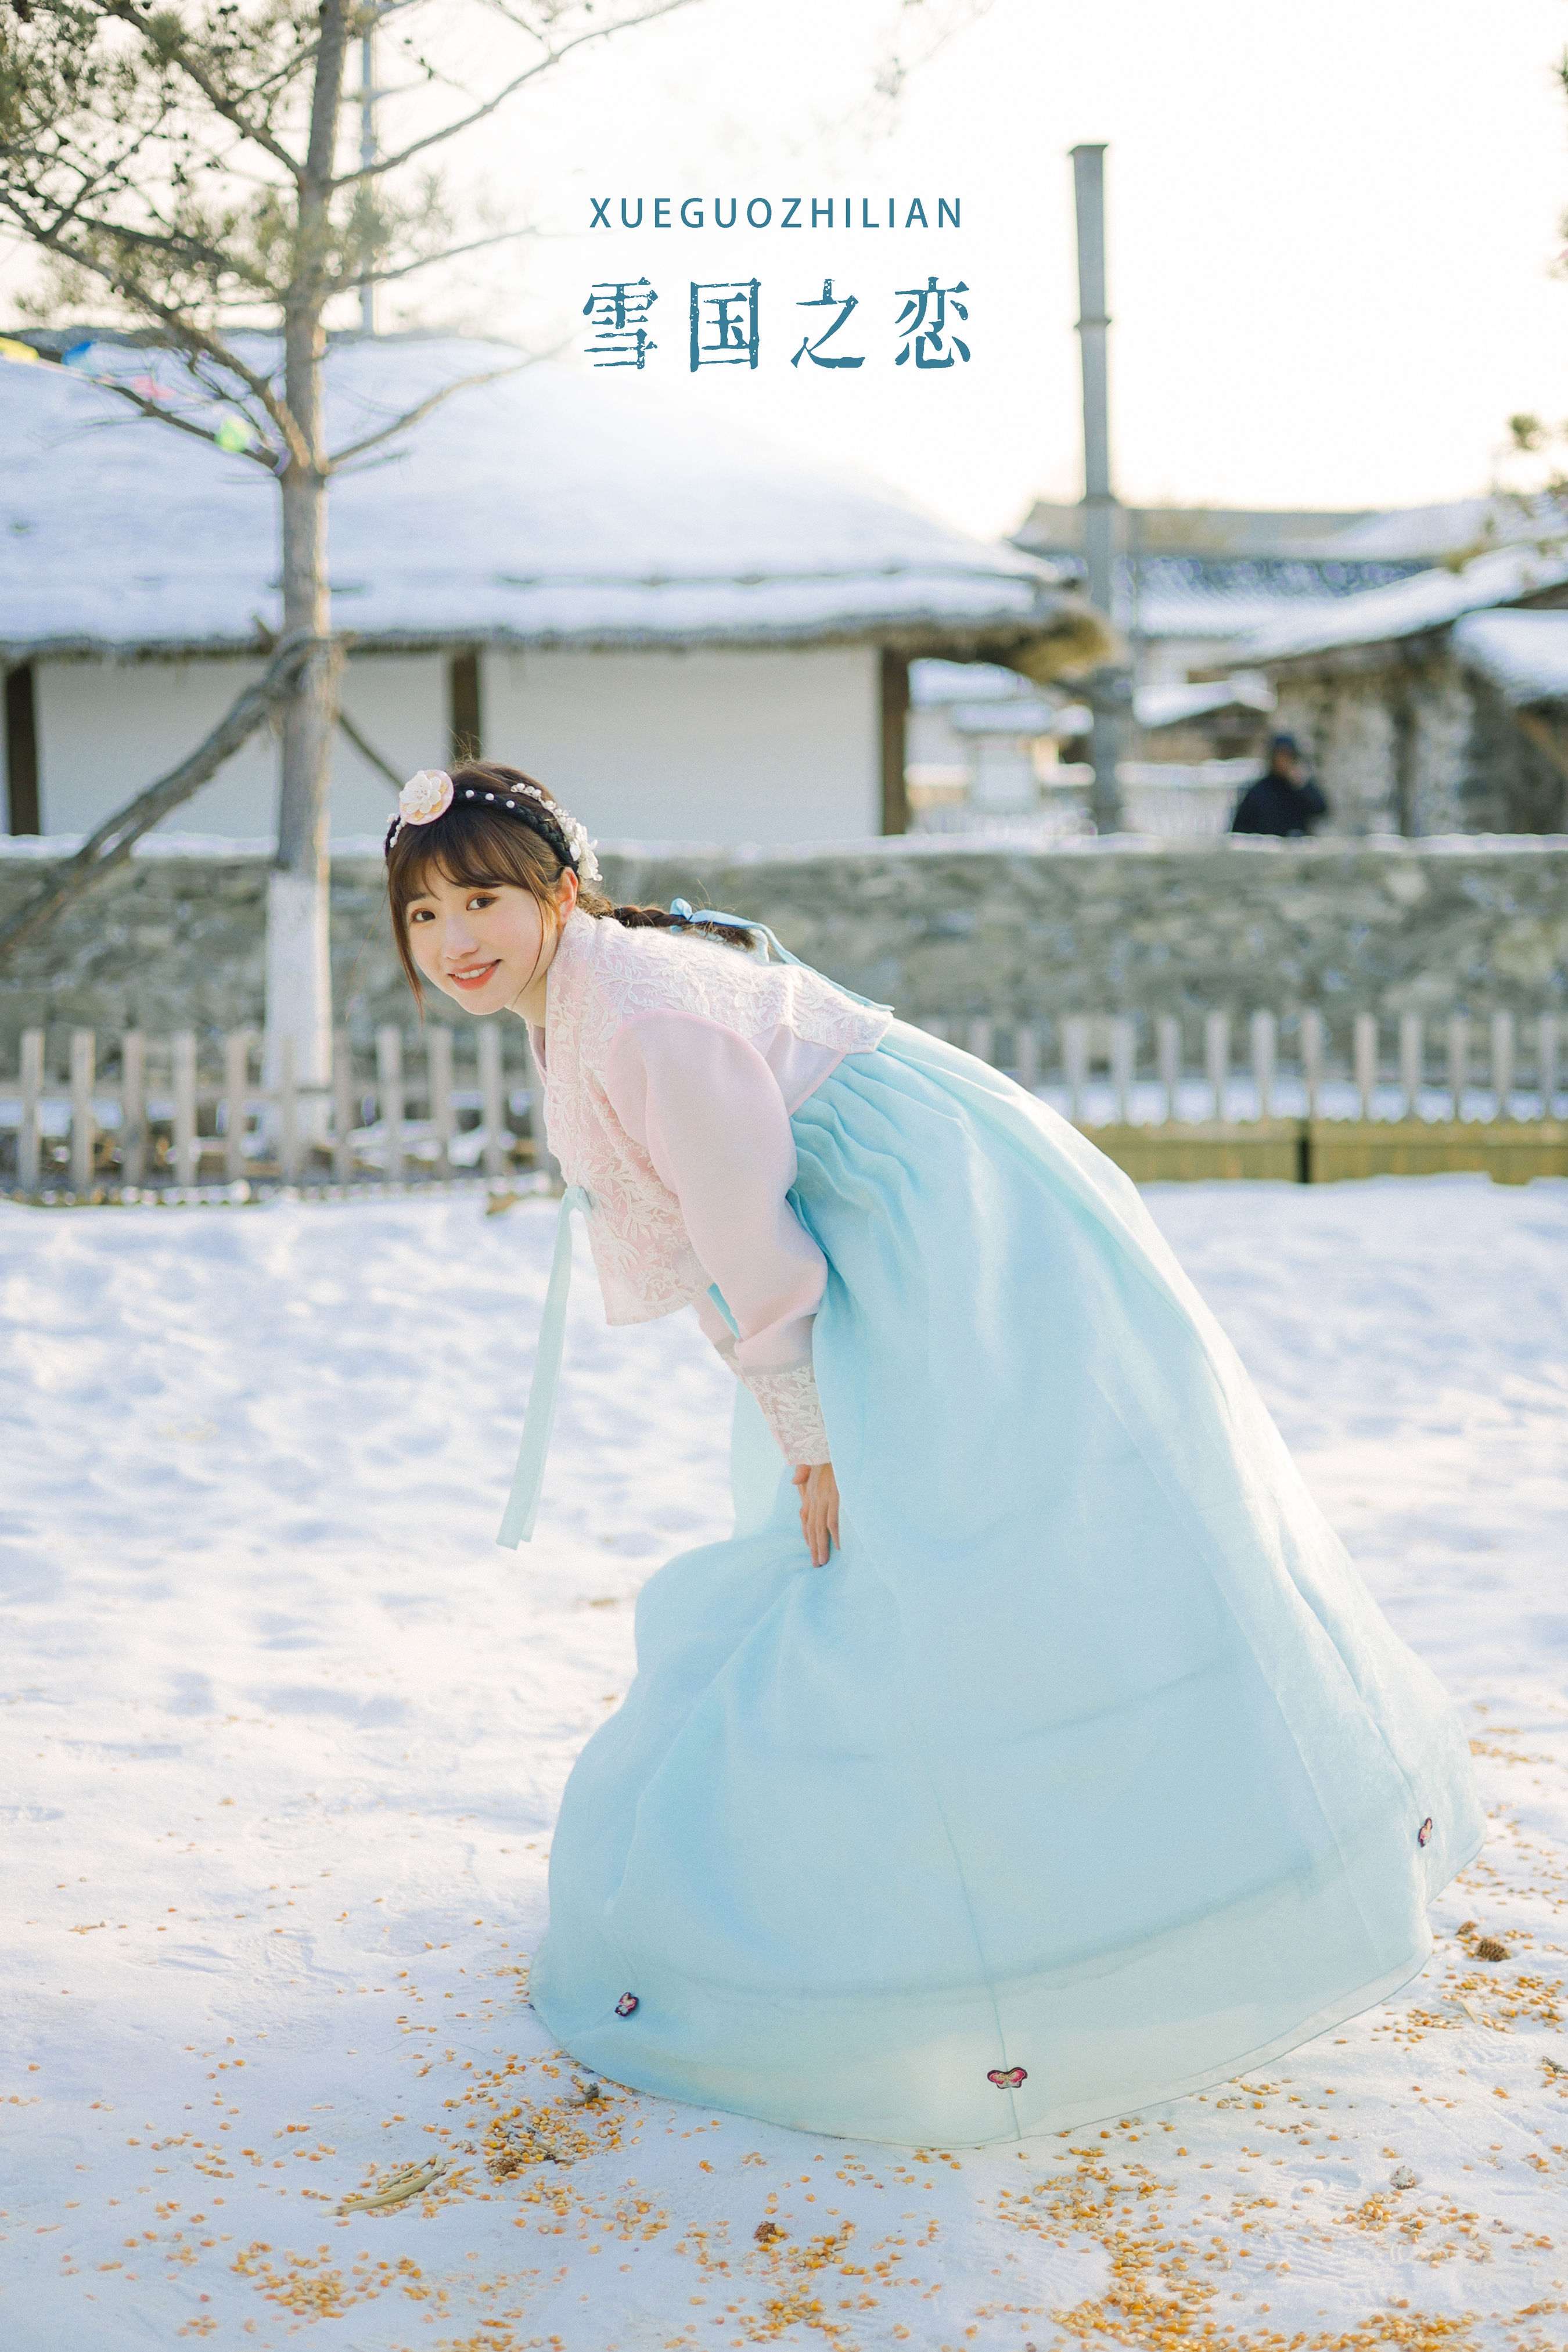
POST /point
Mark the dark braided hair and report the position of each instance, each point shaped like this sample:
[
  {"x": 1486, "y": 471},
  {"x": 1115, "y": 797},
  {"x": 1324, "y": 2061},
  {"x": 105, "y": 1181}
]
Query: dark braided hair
[{"x": 479, "y": 842}]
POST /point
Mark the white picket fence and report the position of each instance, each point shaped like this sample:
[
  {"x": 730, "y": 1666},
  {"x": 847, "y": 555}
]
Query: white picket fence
[
  {"x": 150, "y": 1119},
  {"x": 1131, "y": 1069},
  {"x": 145, "y": 1116}
]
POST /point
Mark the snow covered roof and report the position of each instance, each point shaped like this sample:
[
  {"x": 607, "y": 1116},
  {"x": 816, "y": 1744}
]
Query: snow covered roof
[
  {"x": 934, "y": 684},
  {"x": 1226, "y": 597},
  {"x": 1454, "y": 528},
  {"x": 1408, "y": 608},
  {"x": 1525, "y": 655},
  {"x": 1174, "y": 705},
  {"x": 554, "y": 507}
]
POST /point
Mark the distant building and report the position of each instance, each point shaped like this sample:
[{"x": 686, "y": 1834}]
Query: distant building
[
  {"x": 1516, "y": 665},
  {"x": 1434, "y": 705},
  {"x": 1189, "y": 723},
  {"x": 982, "y": 739},
  {"x": 1193, "y": 583},
  {"x": 689, "y": 633},
  {"x": 1349, "y": 631}
]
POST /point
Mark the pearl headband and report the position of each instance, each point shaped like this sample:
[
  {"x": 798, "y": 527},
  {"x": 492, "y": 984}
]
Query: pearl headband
[{"x": 431, "y": 793}]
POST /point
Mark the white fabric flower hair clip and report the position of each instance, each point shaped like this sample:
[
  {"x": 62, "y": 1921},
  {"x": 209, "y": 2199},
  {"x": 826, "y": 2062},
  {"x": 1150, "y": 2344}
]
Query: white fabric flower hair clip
[
  {"x": 425, "y": 797},
  {"x": 431, "y": 793}
]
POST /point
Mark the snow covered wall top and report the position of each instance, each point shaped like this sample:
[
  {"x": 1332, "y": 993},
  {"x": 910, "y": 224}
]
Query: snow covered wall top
[{"x": 548, "y": 507}]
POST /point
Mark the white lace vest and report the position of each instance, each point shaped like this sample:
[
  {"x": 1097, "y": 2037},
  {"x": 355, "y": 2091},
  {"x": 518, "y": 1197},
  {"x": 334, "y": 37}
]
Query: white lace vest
[{"x": 603, "y": 976}]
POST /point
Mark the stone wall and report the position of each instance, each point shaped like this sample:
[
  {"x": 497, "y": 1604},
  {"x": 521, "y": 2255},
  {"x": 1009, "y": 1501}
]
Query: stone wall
[
  {"x": 1417, "y": 743},
  {"x": 175, "y": 940}
]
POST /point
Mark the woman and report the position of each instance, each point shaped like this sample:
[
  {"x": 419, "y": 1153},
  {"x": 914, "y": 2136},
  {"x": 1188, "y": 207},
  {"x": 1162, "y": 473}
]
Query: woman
[{"x": 1032, "y": 1751}]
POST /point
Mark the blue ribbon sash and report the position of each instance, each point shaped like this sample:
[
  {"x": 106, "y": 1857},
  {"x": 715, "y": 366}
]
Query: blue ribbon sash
[{"x": 523, "y": 1503}]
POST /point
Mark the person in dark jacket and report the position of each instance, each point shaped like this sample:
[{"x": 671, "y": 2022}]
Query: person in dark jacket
[{"x": 1284, "y": 800}]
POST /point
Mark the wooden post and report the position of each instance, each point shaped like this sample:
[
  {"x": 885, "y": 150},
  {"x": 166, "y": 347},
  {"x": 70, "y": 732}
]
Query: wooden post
[
  {"x": 1216, "y": 1057},
  {"x": 463, "y": 708},
  {"x": 21, "y": 751},
  {"x": 1366, "y": 1050},
  {"x": 32, "y": 1090},
  {"x": 1264, "y": 1053},
  {"x": 235, "y": 1088},
  {"x": 1026, "y": 1054},
  {"x": 1502, "y": 1064},
  {"x": 81, "y": 1109},
  {"x": 132, "y": 1106},
  {"x": 982, "y": 1038},
  {"x": 895, "y": 716},
  {"x": 1458, "y": 1060},
  {"x": 184, "y": 1061},
  {"x": 1546, "y": 1057},
  {"x": 1168, "y": 1030},
  {"x": 1123, "y": 1064},
  {"x": 439, "y": 1065},
  {"x": 389, "y": 1088},
  {"x": 343, "y": 1121},
  {"x": 1312, "y": 1058},
  {"x": 494, "y": 1101},
  {"x": 1412, "y": 1061},
  {"x": 1075, "y": 1062},
  {"x": 288, "y": 1113}
]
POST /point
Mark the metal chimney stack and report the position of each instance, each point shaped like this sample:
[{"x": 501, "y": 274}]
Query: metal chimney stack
[
  {"x": 1110, "y": 692},
  {"x": 368, "y": 94}
]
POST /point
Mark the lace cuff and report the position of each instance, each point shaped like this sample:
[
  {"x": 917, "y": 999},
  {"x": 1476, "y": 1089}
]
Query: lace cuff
[{"x": 792, "y": 1411}]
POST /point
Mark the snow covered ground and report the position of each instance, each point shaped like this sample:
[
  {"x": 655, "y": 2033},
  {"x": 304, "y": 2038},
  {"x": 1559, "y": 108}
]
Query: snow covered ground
[{"x": 284, "y": 1733}]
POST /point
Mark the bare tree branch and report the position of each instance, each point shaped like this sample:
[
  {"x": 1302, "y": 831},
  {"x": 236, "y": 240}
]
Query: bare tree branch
[
  {"x": 412, "y": 415},
  {"x": 261, "y": 454},
  {"x": 167, "y": 244},
  {"x": 222, "y": 102},
  {"x": 368, "y": 751},
  {"x": 428, "y": 260},
  {"x": 552, "y": 57},
  {"x": 185, "y": 330},
  {"x": 118, "y": 834}
]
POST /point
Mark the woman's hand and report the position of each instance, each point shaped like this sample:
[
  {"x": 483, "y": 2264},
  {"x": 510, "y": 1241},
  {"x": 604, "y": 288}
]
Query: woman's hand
[{"x": 818, "y": 1509}]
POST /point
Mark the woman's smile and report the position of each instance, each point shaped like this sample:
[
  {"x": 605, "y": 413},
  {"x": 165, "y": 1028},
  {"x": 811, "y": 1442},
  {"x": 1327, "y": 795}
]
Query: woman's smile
[{"x": 477, "y": 975}]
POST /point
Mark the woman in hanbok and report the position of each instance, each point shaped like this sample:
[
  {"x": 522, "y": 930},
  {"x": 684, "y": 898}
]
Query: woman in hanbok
[{"x": 1032, "y": 1751}]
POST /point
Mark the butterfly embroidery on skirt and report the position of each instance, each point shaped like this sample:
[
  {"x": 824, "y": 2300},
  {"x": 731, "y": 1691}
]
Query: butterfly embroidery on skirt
[
  {"x": 626, "y": 2004},
  {"x": 1425, "y": 1832},
  {"x": 1007, "y": 2078}
]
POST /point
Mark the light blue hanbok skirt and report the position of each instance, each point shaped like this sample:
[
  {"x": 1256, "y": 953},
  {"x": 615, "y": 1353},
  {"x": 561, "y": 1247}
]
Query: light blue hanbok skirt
[{"x": 1086, "y": 1774}]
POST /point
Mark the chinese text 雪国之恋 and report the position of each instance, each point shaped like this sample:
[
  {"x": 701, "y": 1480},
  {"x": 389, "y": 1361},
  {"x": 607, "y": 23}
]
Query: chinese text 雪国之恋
[{"x": 725, "y": 327}]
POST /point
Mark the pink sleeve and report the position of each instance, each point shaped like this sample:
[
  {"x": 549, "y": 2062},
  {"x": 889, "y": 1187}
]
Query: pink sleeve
[{"x": 708, "y": 1110}]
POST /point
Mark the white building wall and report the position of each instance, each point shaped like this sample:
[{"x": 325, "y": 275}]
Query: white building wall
[
  {"x": 769, "y": 747},
  {"x": 710, "y": 746},
  {"x": 398, "y": 702},
  {"x": 108, "y": 729}
]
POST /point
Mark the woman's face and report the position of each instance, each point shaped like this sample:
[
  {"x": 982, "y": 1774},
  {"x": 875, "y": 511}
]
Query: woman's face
[{"x": 487, "y": 946}]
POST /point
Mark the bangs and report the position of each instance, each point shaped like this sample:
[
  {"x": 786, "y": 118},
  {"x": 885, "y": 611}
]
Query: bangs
[{"x": 457, "y": 853}]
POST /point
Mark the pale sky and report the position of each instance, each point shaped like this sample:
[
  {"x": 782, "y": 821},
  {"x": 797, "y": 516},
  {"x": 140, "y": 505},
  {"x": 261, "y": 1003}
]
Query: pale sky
[{"x": 1332, "y": 233}]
